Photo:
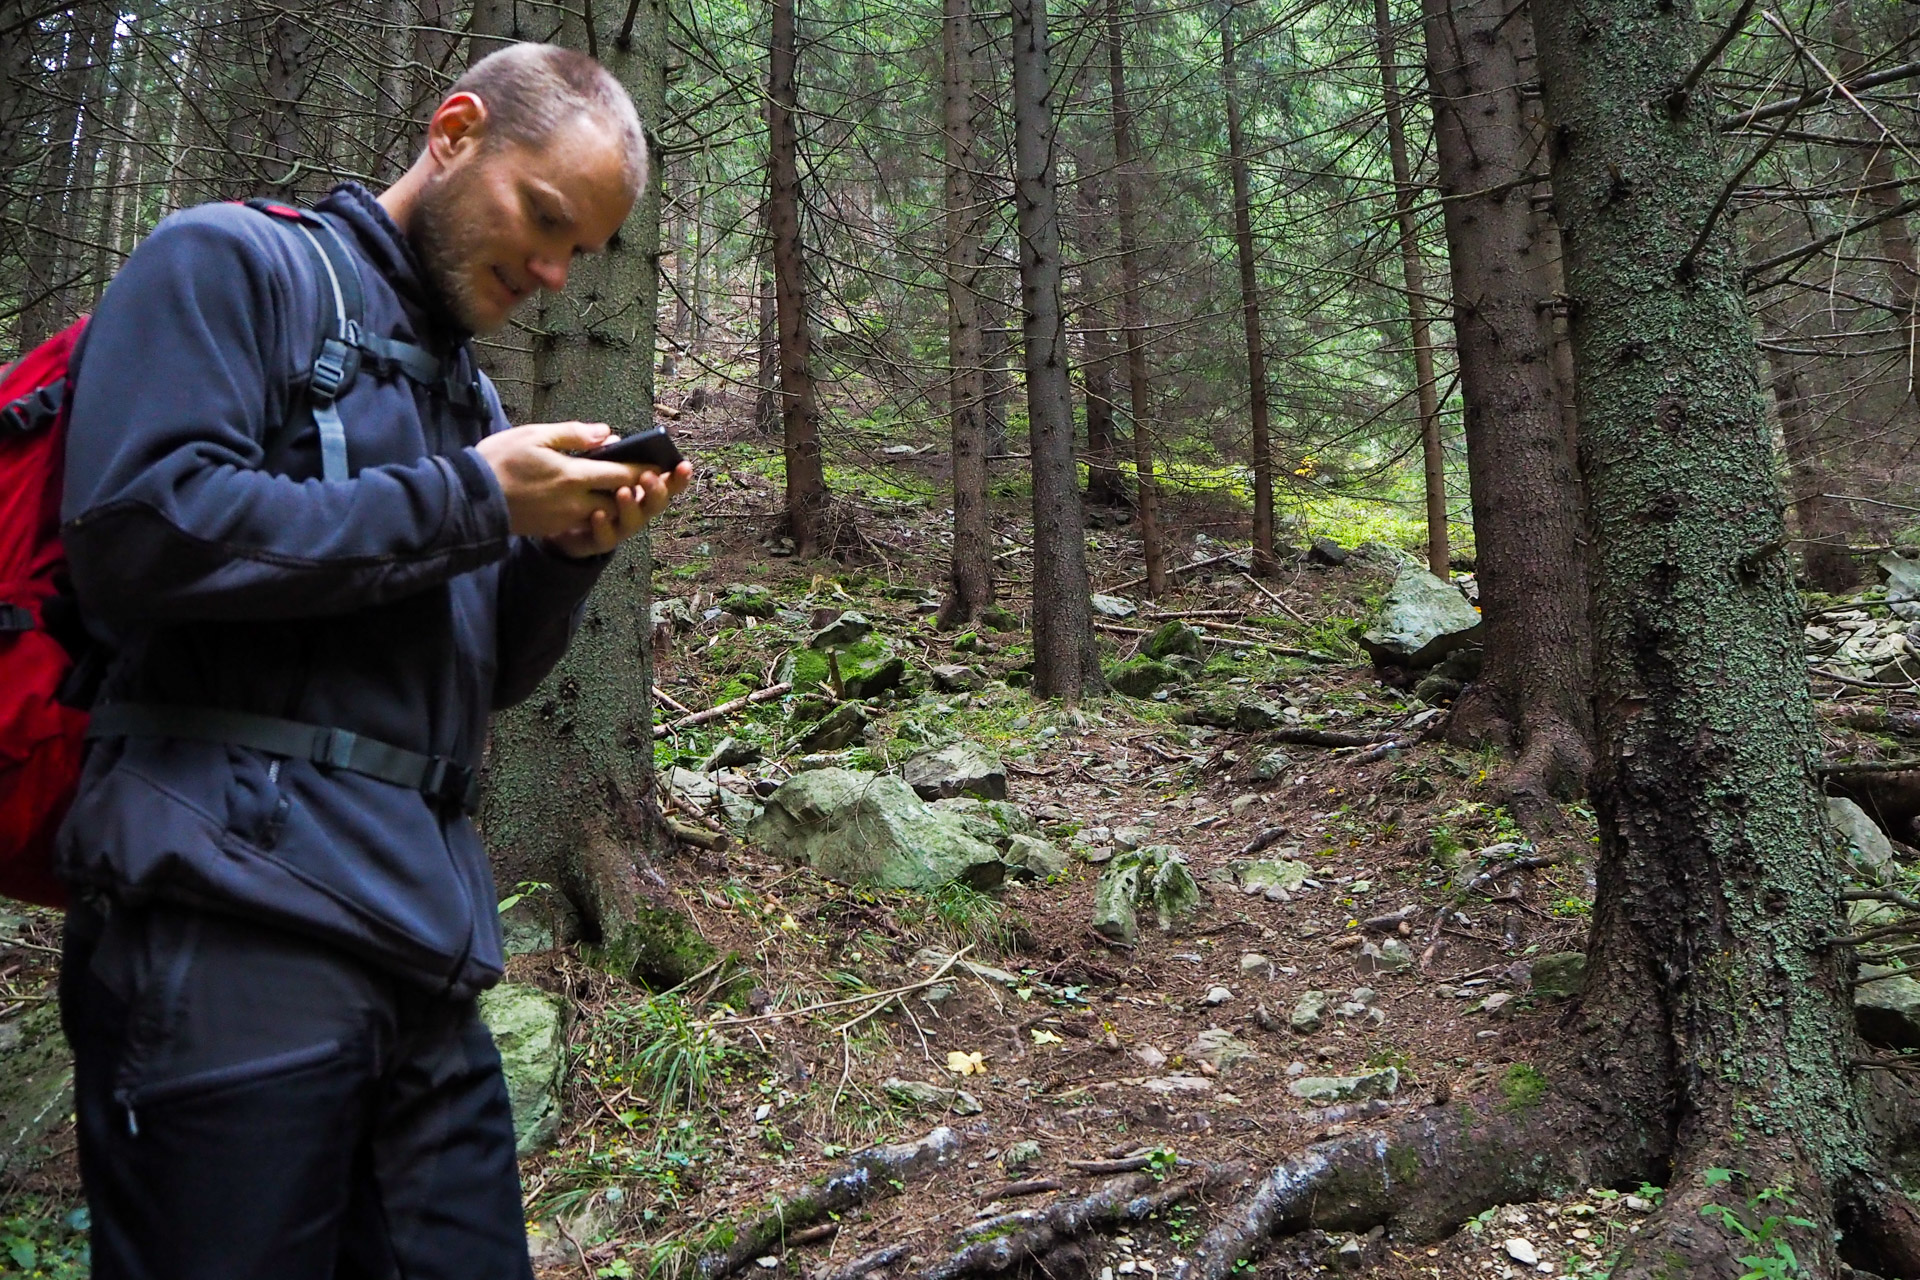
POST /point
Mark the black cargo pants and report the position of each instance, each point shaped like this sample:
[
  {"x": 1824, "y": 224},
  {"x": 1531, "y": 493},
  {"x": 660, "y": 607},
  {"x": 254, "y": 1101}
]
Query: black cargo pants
[{"x": 256, "y": 1106}]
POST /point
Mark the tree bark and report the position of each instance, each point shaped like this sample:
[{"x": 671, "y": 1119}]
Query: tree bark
[
  {"x": 1264, "y": 562},
  {"x": 799, "y": 410},
  {"x": 1528, "y": 504},
  {"x": 1133, "y": 320},
  {"x": 569, "y": 798},
  {"x": 1718, "y": 882},
  {"x": 970, "y": 574},
  {"x": 766, "y": 410},
  {"x": 1065, "y": 662},
  {"x": 1819, "y": 521},
  {"x": 1097, "y": 345},
  {"x": 1414, "y": 272}
]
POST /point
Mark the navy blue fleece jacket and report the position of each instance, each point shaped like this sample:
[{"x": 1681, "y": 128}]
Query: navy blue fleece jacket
[{"x": 225, "y": 573}]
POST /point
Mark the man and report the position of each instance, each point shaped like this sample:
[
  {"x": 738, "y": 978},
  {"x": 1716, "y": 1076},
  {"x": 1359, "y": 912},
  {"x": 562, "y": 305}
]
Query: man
[{"x": 283, "y": 911}]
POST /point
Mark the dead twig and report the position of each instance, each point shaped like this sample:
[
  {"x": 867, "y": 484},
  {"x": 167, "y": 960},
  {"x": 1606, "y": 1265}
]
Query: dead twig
[{"x": 724, "y": 709}]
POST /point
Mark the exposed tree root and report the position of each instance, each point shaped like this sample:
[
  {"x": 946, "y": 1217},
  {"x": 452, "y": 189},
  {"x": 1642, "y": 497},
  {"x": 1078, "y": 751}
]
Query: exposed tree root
[{"x": 1035, "y": 1233}]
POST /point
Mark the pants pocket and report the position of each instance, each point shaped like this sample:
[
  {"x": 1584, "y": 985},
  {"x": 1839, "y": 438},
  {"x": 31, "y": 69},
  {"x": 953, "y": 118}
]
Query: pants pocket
[{"x": 203, "y": 1085}]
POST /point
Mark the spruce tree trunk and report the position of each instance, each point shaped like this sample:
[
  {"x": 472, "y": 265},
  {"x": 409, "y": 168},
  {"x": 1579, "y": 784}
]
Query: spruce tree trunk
[
  {"x": 970, "y": 576},
  {"x": 569, "y": 798},
  {"x": 1096, "y": 335},
  {"x": 1426, "y": 392},
  {"x": 1533, "y": 692},
  {"x": 1132, "y": 310},
  {"x": 799, "y": 410},
  {"x": 1264, "y": 562},
  {"x": 1064, "y": 660},
  {"x": 1718, "y": 882}
]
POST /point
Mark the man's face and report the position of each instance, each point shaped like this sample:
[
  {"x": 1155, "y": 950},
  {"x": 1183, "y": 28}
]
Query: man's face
[{"x": 502, "y": 219}]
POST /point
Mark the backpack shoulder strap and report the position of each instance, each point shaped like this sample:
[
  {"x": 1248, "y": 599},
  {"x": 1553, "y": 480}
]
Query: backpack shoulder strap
[{"x": 342, "y": 304}]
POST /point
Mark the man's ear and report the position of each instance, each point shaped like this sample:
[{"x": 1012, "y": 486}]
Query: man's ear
[{"x": 457, "y": 128}]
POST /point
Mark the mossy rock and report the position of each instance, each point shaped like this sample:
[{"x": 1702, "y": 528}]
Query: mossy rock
[
  {"x": 1139, "y": 677},
  {"x": 994, "y": 618},
  {"x": 36, "y": 1087},
  {"x": 1171, "y": 639},
  {"x": 749, "y": 601},
  {"x": 529, "y": 1028}
]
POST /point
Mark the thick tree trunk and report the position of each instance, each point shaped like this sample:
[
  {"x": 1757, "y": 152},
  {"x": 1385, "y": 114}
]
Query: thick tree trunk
[
  {"x": 970, "y": 576},
  {"x": 1132, "y": 310},
  {"x": 1264, "y": 562},
  {"x": 1527, "y": 497},
  {"x": 799, "y": 410},
  {"x": 1065, "y": 662},
  {"x": 1426, "y": 391},
  {"x": 569, "y": 798},
  {"x": 1717, "y": 880}
]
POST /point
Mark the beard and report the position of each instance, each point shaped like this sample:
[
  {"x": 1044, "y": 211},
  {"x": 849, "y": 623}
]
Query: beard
[{"x": 450, "y": 243}]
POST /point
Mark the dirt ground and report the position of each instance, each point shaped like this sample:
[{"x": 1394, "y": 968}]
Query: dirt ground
[{"x": 1089, "y": 1050}]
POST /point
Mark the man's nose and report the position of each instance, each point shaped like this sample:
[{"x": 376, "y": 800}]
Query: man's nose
[{"x": 550, "y": 272}]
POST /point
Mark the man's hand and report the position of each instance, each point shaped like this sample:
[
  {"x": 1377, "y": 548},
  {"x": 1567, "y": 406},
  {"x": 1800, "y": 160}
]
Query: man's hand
[{"x": 582, "y": 507}]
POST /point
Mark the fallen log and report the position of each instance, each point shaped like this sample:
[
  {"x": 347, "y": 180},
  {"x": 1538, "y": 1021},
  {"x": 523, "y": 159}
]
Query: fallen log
[
  {"x": 1871, "y": 719},
  {"x": 724, "y": 709}
]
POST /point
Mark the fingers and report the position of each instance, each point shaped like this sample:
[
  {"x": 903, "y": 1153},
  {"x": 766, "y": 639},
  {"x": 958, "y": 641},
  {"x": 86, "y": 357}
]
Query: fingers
[{"x": 569, "y": 437}]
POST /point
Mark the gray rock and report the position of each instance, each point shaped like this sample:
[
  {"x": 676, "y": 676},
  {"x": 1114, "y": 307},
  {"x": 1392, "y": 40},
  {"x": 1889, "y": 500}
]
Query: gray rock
[
  {"x": 960, "y": 769},
  {"x": 1150, "y": 1057},
  {"x": 672, "y": 613},
  {"x": 1221, "y": 1048},
  {"x": 863, "y": 828},
  {"x": 1309, "y": 1012},
  {"x": 1172, "y": 639},
  {"x": 1156, "y": 875},
  {"x": 1020, "y": 1155},
  {"x": 850, "y": 627},
  {"x": 729, "y": 753},
  {"x": 703, "y": 792},
  {"x": 845, "y": 725},
  {"x": 994, "y": 821},
  {"x": 529, "y": 1028},
  {"x": 1038, "y": 858},
  {"x": 1887, "y": 1008},
  {"x": 1383, "y": 1083},
  {"x": 1274, "y": 879},
  {"x": 1391, "y": 558},
  {"x": 951, "y": 677},
  {"x": 1866, "y": 844},
  {"x": 1326, "y": 551},
  {"x": 1903, "y": 578},
  {"x": 1257, "y": 715},
  {"x": 1391, "y": 956},
  {"x": 36, "y": 1088},
  {"x": 959, "y": 1101},
  {"x": 1271, "y": 765},
  {"x": 1131, "y": 837},
  {"x": 1255, "y": 965},
  {"x": 1560, "y": 976},
  {"x": 1420, "y": 622},
  {"x": 1180, "y": 1084},
  {"x": 1218, "y": 995},
  {"x": 1113, "y": 607},
  {"x": 1437, "y": 690}
]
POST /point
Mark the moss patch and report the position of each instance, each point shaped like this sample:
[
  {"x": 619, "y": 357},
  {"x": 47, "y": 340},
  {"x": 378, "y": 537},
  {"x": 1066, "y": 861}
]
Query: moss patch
[{"x": 1522, "y": 1087}]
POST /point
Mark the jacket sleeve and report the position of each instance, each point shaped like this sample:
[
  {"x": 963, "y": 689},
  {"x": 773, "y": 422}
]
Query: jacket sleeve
[
  {"x": 167, "y": 517},
  {"x": 542, "y": 596}
]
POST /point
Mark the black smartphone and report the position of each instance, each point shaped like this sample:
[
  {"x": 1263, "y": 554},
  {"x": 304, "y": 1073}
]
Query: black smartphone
[{"x": 652, "y": 447}]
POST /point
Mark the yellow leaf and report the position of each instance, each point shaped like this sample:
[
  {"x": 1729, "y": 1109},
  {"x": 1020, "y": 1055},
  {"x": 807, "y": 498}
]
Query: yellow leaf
[
  {"x": 1044, "y": 1037},
  {"x": 966, "y": 1064}
]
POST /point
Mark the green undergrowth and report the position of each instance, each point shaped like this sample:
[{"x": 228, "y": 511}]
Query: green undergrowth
[{"x": 41, "y": 1239}]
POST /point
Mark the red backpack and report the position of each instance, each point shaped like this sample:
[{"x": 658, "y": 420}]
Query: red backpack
[
  {"x": 47, "y": 664},
  {"x": 42, "y": 739}
]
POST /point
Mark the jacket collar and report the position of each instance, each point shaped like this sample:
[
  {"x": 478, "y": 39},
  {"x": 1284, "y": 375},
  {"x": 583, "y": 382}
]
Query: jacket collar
[{"x": 393, "y": 255}]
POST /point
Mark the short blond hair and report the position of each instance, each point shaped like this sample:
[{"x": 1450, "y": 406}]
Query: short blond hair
[{"x": 530, "y": 90}]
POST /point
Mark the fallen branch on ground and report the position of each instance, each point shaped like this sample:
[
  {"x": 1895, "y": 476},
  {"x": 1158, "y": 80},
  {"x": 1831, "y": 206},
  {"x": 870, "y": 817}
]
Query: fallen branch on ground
[
  {"x": 1871, "y": 719},
  {"x": 1859, "y": 768},
  {"x": 724, "y": 709}
]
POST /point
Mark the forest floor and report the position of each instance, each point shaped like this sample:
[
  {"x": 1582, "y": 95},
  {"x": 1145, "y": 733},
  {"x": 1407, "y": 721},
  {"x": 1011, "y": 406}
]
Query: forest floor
[{"x": 689, "y": 1113}]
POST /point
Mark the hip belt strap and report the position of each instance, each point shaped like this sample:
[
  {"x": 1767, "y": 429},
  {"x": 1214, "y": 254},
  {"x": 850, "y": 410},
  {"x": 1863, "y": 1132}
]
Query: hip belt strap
[{"x": 436, "y": 777}]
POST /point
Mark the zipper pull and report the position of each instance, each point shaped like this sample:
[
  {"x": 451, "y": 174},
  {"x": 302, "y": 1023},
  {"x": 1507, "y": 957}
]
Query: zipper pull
[{"x": 125, "y": 1100}]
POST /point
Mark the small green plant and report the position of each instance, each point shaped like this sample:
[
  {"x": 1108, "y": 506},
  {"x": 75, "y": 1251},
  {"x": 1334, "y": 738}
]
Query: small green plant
[
  {"x": 969, "y": 916},
  {"x": 520, "y": 891},
  {"x": 1161, "y": 1162},
  {"x": 1522, "y": 1087},
  {"x": 677, "y": 1058},
  {"x": 1763, "y": 1224},
  {"x": 1182, "y": 1230},
  {"x": 38, "y": 1240}
]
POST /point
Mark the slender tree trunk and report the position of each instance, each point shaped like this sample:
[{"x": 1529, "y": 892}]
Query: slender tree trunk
[
  {"x": 1528, "y": 505},
  {"x": 1096, "y": 340},
  {"x": 970, "y": 575},
  {"x": 1065, "y": 662},
  {"x": 678, "y": 208},
  {"x": 1718, "y": 882},
  {"x": 1426, "y": 391},
  {"x": 1264, "y": 562},
  {"x": 434, "y": 46},
  {"x": 1817, "y": 519},
  {"x": 569, "y": 796},
  {"x": 495, "y": 25},
  {"x": 799, "y": 413},
  {"x": 766, "y": 411},
  {"x": 1140, "y": 394}
]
